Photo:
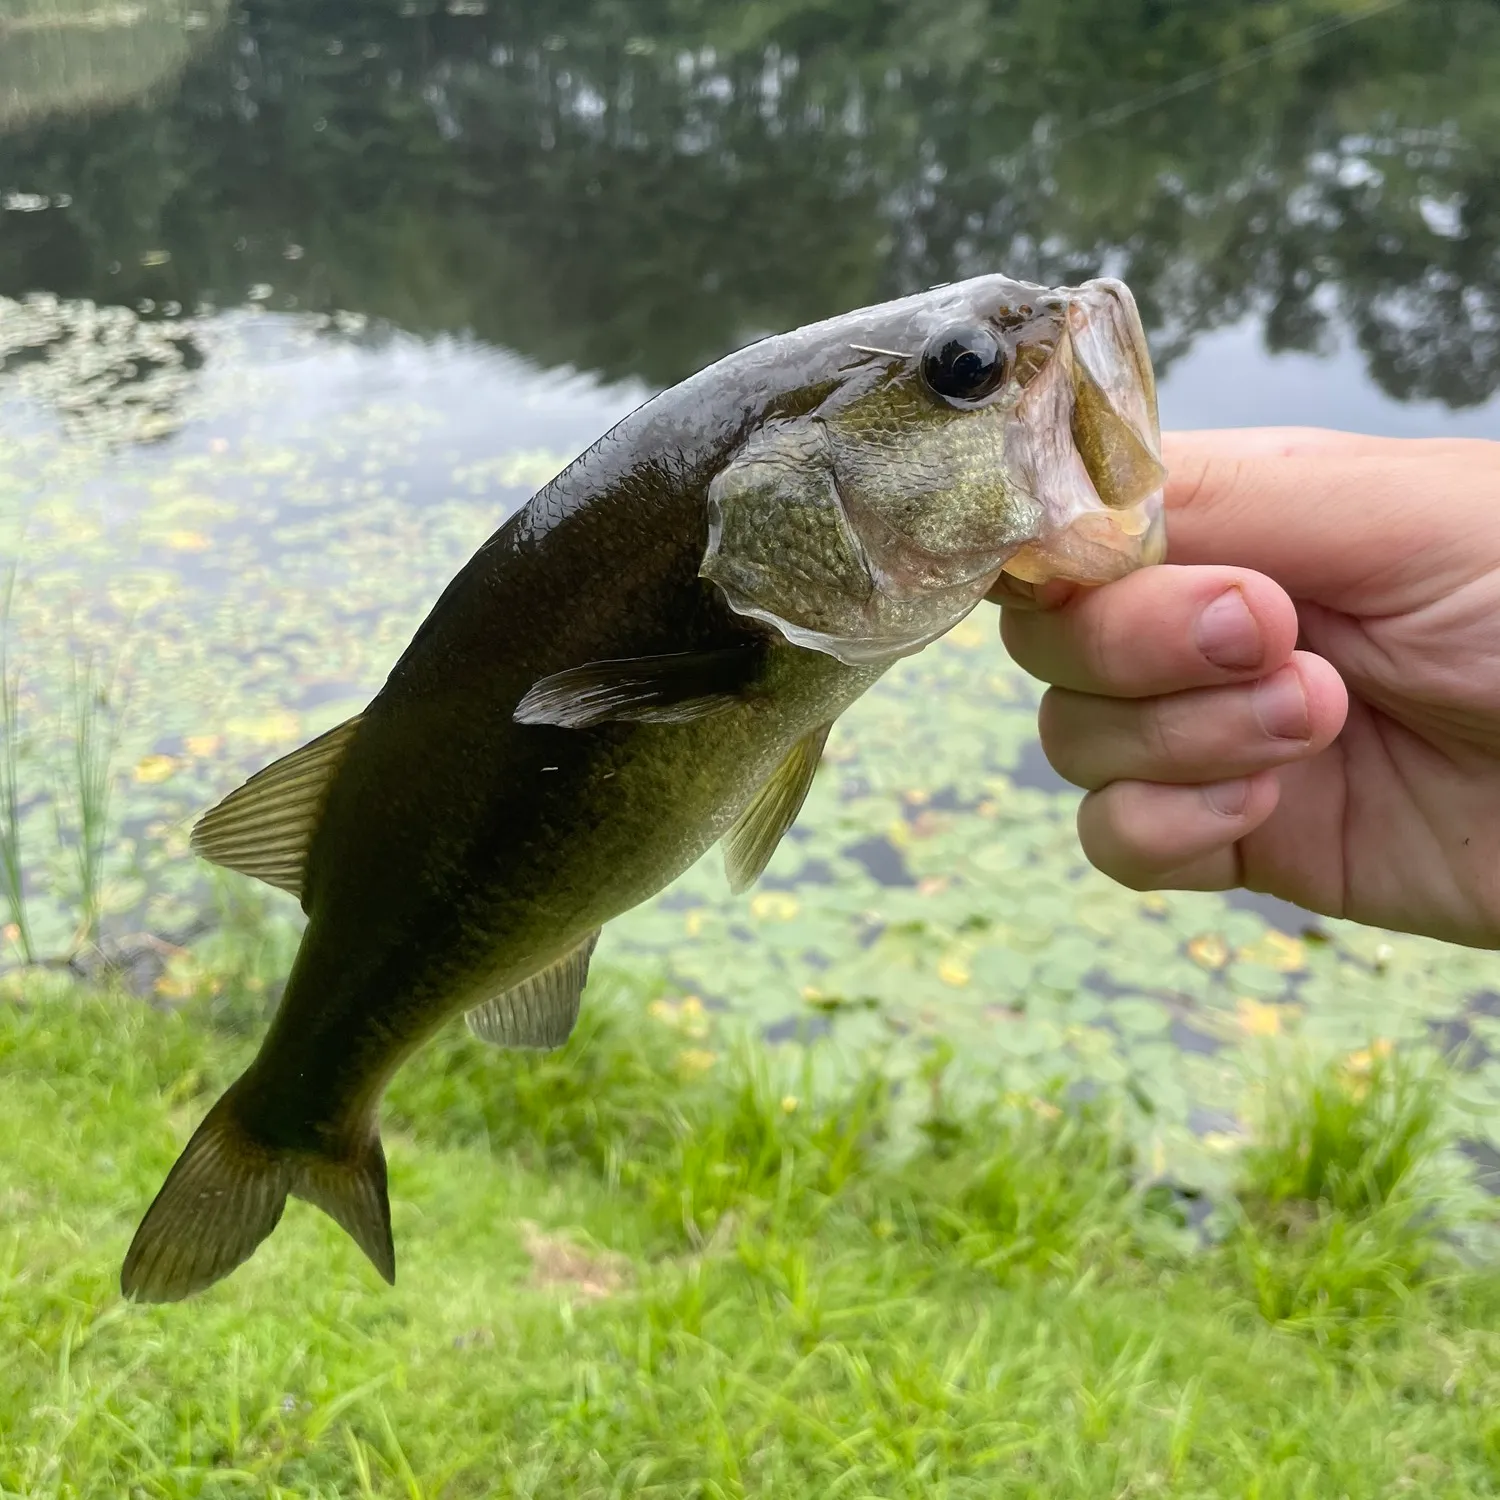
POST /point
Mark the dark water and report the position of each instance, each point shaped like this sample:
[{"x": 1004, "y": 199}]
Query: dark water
[{"x": 1304, "y": 195}]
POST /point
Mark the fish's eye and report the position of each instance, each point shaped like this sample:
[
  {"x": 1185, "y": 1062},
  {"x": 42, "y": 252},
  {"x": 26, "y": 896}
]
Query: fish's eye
[{"x": 964, "y": 362}]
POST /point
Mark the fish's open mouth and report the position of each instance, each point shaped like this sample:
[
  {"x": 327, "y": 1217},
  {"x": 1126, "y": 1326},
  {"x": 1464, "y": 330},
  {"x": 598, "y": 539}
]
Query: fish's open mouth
[{"x": 1086, "y": 446}]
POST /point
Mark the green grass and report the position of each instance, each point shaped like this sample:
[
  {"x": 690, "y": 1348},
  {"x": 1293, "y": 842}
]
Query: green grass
[{"x": 664, "y": 1263}]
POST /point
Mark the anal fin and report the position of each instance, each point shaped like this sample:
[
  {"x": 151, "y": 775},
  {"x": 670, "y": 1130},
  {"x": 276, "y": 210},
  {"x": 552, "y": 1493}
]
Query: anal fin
[
  {"x": 540, "y": 1012},
  {"x": 750, "y": 843},
  {"x": 672, "y": 689}
]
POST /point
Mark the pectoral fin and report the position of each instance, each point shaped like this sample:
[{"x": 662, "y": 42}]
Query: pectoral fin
[
  {"x": 673, "y": 689},
  {"x": 265, "y": 827},
  {"x": 539, "y": 1012},
  {"x": 749, "y": 845}
]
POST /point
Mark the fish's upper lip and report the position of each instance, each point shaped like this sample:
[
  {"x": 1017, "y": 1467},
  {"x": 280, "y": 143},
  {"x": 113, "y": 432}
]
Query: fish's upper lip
[{"x": 1088, "y": 446}]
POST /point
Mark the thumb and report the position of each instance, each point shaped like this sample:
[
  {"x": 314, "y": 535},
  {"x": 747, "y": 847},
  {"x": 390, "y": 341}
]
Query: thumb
[{"x": 1361, "y": 524}]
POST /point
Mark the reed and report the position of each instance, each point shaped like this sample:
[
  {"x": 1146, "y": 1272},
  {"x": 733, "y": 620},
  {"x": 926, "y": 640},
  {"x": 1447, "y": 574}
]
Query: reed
[
  {"x": 12, "y": 878},
  {"x": 86, "y": 788}
]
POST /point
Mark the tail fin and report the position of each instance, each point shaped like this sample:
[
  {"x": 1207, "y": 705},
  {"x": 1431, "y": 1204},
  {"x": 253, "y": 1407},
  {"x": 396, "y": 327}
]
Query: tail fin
[
  {"x": 226, "y": 1194},
  {"x": 353, "y": 1195}
]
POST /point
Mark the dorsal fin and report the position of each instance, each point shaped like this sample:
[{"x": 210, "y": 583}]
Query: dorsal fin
[
  {"x": 750, "y": 843},
  {"x": 540, "y": 1011},
  {"x": 264, "y": 828}
]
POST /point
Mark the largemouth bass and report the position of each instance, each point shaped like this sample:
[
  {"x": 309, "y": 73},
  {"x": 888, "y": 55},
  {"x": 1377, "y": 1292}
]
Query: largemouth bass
[{"x": 645, "y": 659}]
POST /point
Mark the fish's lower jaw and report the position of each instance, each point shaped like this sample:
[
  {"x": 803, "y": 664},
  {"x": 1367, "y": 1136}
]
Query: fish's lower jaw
[{"x": 1094, "y": 549}]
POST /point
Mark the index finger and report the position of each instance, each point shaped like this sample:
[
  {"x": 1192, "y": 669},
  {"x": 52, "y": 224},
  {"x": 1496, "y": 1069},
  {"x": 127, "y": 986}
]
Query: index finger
[
  {"x": 1368, "y": 525},
  {"x": 1159, "y": 630}
]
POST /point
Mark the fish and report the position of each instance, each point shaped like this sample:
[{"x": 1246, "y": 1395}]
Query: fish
[{"x": 644, "y": 660}]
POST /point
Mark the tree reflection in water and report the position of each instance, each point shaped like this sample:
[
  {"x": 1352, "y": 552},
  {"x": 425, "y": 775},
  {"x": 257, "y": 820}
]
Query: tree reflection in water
[{"x": 631, "y": 187}]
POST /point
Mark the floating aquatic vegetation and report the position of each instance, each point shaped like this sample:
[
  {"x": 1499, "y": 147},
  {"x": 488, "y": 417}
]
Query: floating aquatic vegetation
[{"x": 275, "y": 553}]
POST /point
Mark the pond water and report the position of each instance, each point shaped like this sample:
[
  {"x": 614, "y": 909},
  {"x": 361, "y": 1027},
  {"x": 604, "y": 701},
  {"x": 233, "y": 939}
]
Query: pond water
[{"x": 299, "y": 300}]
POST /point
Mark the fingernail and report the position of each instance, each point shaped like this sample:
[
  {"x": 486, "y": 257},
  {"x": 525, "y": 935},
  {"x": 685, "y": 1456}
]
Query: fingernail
[
  {"x": 1226, "y": 633},
  {"x": 1281, "y": 706},
  {"x": 1227, "y": 798}
]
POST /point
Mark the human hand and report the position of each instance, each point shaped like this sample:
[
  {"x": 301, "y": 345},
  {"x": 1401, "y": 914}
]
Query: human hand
[{"x": 1358, "y": 776}]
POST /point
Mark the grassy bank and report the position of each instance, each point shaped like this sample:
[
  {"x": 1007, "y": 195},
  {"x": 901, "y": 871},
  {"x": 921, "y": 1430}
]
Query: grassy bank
[{"x": 660, "y": 1263}]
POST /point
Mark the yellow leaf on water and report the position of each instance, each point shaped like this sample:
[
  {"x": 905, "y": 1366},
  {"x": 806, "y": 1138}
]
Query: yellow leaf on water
[
  {"x": 953, "y": 970},
  {"x": 691, "y": 1005},
  {"x": 968, "y": 635},
  {"x": 776, "y": 906},
  {"x": 175, "y": 985},
  {"x": 79, "y": 529},
  {"x": 204, "y": 745},
  {"x": 1209, "y": 950},
  {"x": 1290, "y": 953},
  {"x": 1363, "y": 1060},
  {"x": 151, "y": 769},
  {"x": 279, "y": 725},
  {"x": 1276, "y": 951},
  {"x": 1155, "y": 903},
  {"x": 1257, "y": 1018},
  {"x": 693, "y": 923},
  {"x": 187, "y": 541}
]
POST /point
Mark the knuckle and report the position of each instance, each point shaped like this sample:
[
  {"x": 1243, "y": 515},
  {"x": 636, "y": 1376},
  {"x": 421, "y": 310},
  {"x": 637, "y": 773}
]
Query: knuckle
[
  {"x": 1208, "y": 478},
  {"x": 1168, "y": 740},
  {"x": 1108, "y": 840},
  {"x": 1098, "y": 642},
  {"x": 1020, "y": 634},
  {"x": 1057, "y": 728}
]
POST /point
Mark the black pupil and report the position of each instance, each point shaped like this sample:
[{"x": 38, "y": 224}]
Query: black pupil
[
  {"x": 964, "y": 363},
  {"x": 968, "y": 367}
]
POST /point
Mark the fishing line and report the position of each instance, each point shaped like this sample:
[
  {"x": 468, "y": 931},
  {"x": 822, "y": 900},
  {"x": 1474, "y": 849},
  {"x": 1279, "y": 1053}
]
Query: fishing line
[{"x": 1188, "y": 84}]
